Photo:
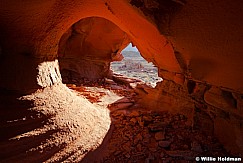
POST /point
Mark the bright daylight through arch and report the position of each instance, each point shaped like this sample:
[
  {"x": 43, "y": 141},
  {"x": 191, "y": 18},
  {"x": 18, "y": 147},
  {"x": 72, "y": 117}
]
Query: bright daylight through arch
[{"x": 135, "y": 66}]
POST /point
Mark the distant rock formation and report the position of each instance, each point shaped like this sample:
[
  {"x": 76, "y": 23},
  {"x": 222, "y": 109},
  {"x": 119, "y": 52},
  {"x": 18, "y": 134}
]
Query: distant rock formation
[{"x": 130, "y": 65}]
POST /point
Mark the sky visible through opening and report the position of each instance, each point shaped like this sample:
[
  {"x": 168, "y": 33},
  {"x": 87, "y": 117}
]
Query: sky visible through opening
[
  {"x": 130, "y": 48},
  {"x": 135, "y": 66}
]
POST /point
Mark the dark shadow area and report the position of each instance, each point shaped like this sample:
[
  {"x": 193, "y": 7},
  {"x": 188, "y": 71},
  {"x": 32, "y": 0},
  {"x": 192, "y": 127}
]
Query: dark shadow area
[
  {"x": 191, "y": 86},
  {"x": 22, "y": 73},
  {"x": 17, "y": 118},
  {"x": 229, "y": 98}
]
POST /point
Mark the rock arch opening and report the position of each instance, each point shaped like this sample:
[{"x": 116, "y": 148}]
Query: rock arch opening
[
  {"x": 87, "y": 49},
  {"x": 94, "y": 47},
  {"x": 135, "y": 66}
]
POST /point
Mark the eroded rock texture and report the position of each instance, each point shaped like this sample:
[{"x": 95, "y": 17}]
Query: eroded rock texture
[
  {"x": 213, "y": 110},
  {"x": 196, "y": 45},
  {"x": 88, "y": 47}
]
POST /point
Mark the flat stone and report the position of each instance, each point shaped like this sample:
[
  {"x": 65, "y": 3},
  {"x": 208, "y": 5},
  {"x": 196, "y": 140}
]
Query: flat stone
[
  {"x": 109, "y": 81},
  {"x": 164, "y": 144},
  {"x": 148, "y": 118},
  {"x": 116, "y": 87},
  {"x": 133, "y": 120},
  {"x": 123, "y": 100},
  {"x": 159, "y": 136},
  {"x": 134, "y": 113},
  {"x": 157, "y": 126},
  {"x": 140, "y": 122},
  {"x": 138, "y": 138},
  {"x": 127, "y": 147},
  {"x": 153, "y": 145},
  {"x": 117, "y": 153},
  {"x": 153, "y": 149}
]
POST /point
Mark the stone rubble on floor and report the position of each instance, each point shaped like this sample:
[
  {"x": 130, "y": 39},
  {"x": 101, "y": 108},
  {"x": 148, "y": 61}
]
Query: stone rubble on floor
[
  {"x": 162, "y": 137},
  {"x": 146, "y": 136}
]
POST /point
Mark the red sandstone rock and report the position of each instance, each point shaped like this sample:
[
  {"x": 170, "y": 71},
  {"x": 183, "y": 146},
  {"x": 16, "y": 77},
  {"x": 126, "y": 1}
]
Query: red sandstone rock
[
  {"x": 164, "y": 144},
  {"x": 159, "y": 136},
  {"x": 197, "y": 41}
]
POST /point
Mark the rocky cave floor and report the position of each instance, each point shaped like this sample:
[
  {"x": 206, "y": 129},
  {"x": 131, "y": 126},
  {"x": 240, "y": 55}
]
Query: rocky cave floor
[
  {"x": 135, "y": 134},
  {"x": 158, "y": 137},
  {"x": 139, "y": 135}
]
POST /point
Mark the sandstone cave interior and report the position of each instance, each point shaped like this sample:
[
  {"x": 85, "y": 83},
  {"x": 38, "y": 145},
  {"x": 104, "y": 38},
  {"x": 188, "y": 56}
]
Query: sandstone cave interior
[{"x": 60, "y": 100}]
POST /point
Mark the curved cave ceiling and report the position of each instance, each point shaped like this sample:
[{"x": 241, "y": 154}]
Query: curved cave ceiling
[{"x": 191, "y": 39}]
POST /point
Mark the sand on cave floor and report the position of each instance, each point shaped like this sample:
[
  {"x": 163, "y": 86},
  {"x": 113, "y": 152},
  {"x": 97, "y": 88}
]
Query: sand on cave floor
[
  {"x": 50, "y": 125},
  {"x": 96, "y": 123}
]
